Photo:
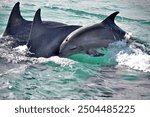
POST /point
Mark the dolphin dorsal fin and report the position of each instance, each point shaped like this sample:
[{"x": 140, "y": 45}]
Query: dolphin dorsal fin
[
  {"x": 37, "y": 17},
  {"x": 37, "y": 26},
  {"x": 15, "y": 16},
  {"x": 110, "y": 18}
]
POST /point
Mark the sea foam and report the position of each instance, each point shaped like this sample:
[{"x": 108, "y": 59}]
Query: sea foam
[{"x": 137, "y": 60}]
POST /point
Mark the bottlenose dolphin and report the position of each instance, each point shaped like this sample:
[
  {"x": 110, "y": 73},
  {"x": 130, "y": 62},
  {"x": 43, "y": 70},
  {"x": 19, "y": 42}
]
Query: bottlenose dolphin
[
  {"x": 45, "y": 41},
  {"x": 88, "y": 39},
  {"x": 19, "y": 28}
]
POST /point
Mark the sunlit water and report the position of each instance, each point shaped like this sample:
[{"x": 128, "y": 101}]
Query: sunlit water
[{"x": 123, "y": 73}]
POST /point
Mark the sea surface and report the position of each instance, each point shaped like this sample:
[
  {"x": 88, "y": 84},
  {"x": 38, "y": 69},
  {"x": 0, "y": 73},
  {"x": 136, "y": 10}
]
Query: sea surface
[{"x": 123, "y": 73}]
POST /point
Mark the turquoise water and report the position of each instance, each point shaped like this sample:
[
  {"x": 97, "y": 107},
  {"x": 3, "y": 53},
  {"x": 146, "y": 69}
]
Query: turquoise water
[{"x": 123, "y": 73}]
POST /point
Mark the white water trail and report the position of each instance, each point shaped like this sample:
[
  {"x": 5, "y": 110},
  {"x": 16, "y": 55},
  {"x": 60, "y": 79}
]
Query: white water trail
[
  {"x": 137, "y": 60},
  {"x": 130, "y": 56},
  {"x": 18, "y": 55}
]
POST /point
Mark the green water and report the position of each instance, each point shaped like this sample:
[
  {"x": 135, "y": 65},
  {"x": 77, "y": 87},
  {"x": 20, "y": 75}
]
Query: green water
[{"x": 80, "y": 76}]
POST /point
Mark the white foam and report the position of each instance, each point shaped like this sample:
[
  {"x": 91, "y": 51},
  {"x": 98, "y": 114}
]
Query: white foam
[
  {"x": 21, "y": 49},
  {"x": 57, "y": 60},
  {"x": 18, "y": 54},
  {"x": 136, "y": 59},
  {"x": 127, "y": 36},
  {"x": 131, "y": 56}
]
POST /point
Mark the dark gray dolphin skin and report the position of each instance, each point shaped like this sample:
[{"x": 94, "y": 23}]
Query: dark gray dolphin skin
[
  {"x": 45, "y": 41},
  {"x": 88, "y": 39},
  {"x": 19, "y": 28}
]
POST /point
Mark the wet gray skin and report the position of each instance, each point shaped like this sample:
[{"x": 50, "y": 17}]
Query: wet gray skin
[
  {"x": 88, "y": 39},
  {"x": 43, "y": 38},
  {"x": 44, "y": 41},
  {"x": 19, "y": 28}
]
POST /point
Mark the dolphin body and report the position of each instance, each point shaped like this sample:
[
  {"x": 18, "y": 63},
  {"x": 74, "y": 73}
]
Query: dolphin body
[
  {"x": 45, "y": 41},
  {"x": 43, "y": 38},
  {"x": 88, "y": 39},
  {"x": 19, "y": 28}
]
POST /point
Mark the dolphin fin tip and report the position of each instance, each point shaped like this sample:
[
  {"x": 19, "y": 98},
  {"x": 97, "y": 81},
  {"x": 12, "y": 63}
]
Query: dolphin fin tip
[
  {"x": 15, "y": 13},
  {"x": 18, "y": 3},
  {"x": 111, "y": 17},
  {"x": 115, "y": 13},
  {"x": 38, "y": 12},
  {"x": 37, "y": 17},
  {"x": 16, "y": 8}
]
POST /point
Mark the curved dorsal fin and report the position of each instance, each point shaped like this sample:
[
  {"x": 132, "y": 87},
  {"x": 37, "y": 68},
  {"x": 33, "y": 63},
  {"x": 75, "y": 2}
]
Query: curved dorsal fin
[
  {"x": 110, "y": 18},
  {"x": 14, "y": 18},
  {"x": 37, "y": 17},
  {"x": 37, "y": 27}
]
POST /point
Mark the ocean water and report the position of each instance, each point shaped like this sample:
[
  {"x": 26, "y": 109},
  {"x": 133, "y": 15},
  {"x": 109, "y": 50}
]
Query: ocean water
[{"x": 123, "y": 73}]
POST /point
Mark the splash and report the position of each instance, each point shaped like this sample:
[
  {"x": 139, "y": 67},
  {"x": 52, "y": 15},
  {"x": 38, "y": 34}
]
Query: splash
[
  {"x": 134, "y": 58},
  {"x": 62, "y": 61},
  {"x": 18, "y": 54},
  {"x": 118, "y": 51},
  {"x": 22, "y": 50},
  {"x": 130, "y": 56}
]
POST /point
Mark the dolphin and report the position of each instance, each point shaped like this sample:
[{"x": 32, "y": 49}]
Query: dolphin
[
  {"x": 88, "y": 39},
  {"x": 19, "y": 28},
  {"x": 45, "y": 41}
]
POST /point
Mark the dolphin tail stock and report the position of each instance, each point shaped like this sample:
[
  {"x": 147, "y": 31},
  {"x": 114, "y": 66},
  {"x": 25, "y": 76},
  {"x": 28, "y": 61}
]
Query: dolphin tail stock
[{"x": 14, "y": 19}]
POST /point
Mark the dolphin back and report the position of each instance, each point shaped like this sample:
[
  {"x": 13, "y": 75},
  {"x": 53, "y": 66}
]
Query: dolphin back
[{"x": 44, "y": 41}]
